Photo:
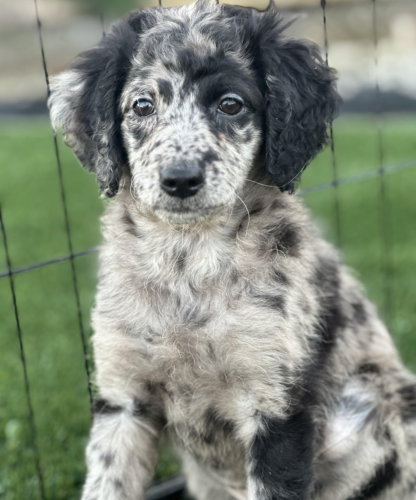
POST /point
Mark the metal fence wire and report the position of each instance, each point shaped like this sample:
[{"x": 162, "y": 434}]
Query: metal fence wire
[{"x": 174, "y": 488}]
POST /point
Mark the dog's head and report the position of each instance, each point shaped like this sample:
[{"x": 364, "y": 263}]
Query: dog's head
[{"x": 187, "y": 103}]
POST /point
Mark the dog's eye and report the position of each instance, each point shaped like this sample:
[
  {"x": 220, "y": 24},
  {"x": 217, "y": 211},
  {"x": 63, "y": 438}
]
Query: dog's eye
[
  {"x": 143, "y": 107},
  {"x": 230, "y": 105}
]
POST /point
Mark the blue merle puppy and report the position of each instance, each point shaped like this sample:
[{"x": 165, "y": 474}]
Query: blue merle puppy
[{"x": 222, "y": 317}]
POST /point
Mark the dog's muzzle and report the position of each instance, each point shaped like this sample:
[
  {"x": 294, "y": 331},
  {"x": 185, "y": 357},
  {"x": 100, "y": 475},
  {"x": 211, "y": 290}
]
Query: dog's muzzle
[{"x": 182, "y": 181}]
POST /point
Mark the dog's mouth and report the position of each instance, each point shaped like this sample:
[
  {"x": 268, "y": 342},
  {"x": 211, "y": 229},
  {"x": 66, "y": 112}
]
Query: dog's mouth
[{"x": 185, "y": 216}]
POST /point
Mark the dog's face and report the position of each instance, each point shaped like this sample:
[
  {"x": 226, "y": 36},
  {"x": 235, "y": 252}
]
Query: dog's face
[
  {"x": 188, "y": 103},
  {"x": 191, "y": 119}
]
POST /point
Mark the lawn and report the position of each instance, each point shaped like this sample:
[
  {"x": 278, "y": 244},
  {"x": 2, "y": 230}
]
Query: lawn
[{"x": 33, "y": 215}]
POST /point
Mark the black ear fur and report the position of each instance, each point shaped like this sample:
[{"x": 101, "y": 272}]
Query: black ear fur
[
  {"x": 301, "y": 100},
  {"x": 84, "y": 100}
]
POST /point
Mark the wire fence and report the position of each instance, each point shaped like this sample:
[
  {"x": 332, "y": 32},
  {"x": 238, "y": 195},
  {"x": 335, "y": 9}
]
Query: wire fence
[{"x": 381, "y": 173}]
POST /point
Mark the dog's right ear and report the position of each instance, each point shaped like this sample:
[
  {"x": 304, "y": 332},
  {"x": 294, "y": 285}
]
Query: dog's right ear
[
  {"x": 300, "y": 96},
  {"x": 84, "y": 100}
]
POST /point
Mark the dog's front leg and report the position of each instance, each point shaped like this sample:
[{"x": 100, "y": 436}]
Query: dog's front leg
[
  {"x": 121, "y": 453},
  {"x": 280, "y": 458}
]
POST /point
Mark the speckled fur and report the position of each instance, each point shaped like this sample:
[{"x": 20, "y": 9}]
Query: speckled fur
[{"x": 224, "y": 319}]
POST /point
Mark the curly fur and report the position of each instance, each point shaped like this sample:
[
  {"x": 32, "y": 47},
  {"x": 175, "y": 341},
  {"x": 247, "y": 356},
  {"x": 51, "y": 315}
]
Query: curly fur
[{"x": 223, "y": 318}]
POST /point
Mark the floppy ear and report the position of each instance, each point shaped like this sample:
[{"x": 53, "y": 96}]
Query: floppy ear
[
  {"x": 301, "y": 101},
  {"x": 84, "y": 101}
]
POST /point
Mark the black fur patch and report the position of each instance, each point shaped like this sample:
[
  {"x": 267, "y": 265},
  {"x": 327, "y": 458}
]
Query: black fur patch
[
  {"x": 369, "y": 368},
  {"x": 181, "y": 259},
  {"x": 280, "y": 277},
  {"x": 148, "y": 411},
  {"x": 216, "y": 427},
  {"x": 326, "y": 281},
  {"x": 360, "y": 315},
  {"x": 286, "y": 238},
  {"x": 131, "y": 226},
  {"x": 278, "y": 204},
  {"x": 107, "y": 459},
  {"x": 211, "y": 352},
  {"x": 206, "y": 439},
  {"x": 103, "y": 407},
  {"x": 118, "y": 484},
  {"x": 281, "y": 456},
  {"x": 165, "y": 90},
  {"x": 248, "y": 135},
  {"x": 256, "y": 209},
  {"x": 383, "y": 478},
  {"x": 331, "y": 319},
  {"x": 408, "y": 396},
  {"x": 141, "y": 409},
  {"x": 167, "y": 391},
  {"x": 276, "y": 302},
  {"x": 208, "y": 157}
]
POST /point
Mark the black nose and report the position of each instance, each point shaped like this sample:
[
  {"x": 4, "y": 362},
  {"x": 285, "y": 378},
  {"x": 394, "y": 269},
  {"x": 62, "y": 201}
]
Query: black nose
[{"x": 182, "y": 181}]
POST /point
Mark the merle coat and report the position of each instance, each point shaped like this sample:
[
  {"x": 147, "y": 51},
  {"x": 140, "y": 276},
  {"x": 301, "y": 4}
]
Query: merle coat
[{"x": 222, "y": 317}]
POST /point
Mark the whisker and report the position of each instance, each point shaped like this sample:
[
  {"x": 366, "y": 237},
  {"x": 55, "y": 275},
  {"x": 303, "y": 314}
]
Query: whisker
[
  {"x": 260, "y": 184},
  {"x": 295, "y": 177},
  {"x": 247, "y": 210}
]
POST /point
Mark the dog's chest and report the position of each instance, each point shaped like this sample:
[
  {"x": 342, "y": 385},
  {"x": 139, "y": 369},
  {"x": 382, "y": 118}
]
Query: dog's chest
[
  {"x": 198, "y": 389},
  {"x": 215, "y": 359},
  {"x": 213, "y": 342},
  {"x": 212, "y": 338},
  {"x": 196, "y": 377}
]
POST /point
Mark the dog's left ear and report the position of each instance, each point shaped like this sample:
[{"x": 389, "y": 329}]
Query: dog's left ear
[
  {"x": 84, "y": 100},
  {"x": 301, "y": 100}
]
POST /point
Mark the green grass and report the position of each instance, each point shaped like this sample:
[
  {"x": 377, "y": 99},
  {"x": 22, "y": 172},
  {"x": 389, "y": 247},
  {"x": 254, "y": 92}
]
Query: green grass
[{"x": 32, "y": 211}]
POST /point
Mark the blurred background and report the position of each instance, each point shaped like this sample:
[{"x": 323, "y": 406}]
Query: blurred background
[{"x": 367, "y": 212}]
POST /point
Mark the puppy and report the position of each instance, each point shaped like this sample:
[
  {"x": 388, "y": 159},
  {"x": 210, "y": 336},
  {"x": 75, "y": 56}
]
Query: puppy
[{"x": 221, "y": 315}]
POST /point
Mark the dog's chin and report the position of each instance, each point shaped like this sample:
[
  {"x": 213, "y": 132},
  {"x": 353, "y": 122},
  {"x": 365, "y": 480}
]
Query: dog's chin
[{"x": 188, "y": 217}]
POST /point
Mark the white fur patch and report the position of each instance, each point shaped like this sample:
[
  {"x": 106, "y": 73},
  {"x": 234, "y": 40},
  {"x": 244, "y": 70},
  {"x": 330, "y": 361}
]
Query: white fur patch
[
  {"x": 346, "y": 425},
  {"x": 63, "y": 89}
]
